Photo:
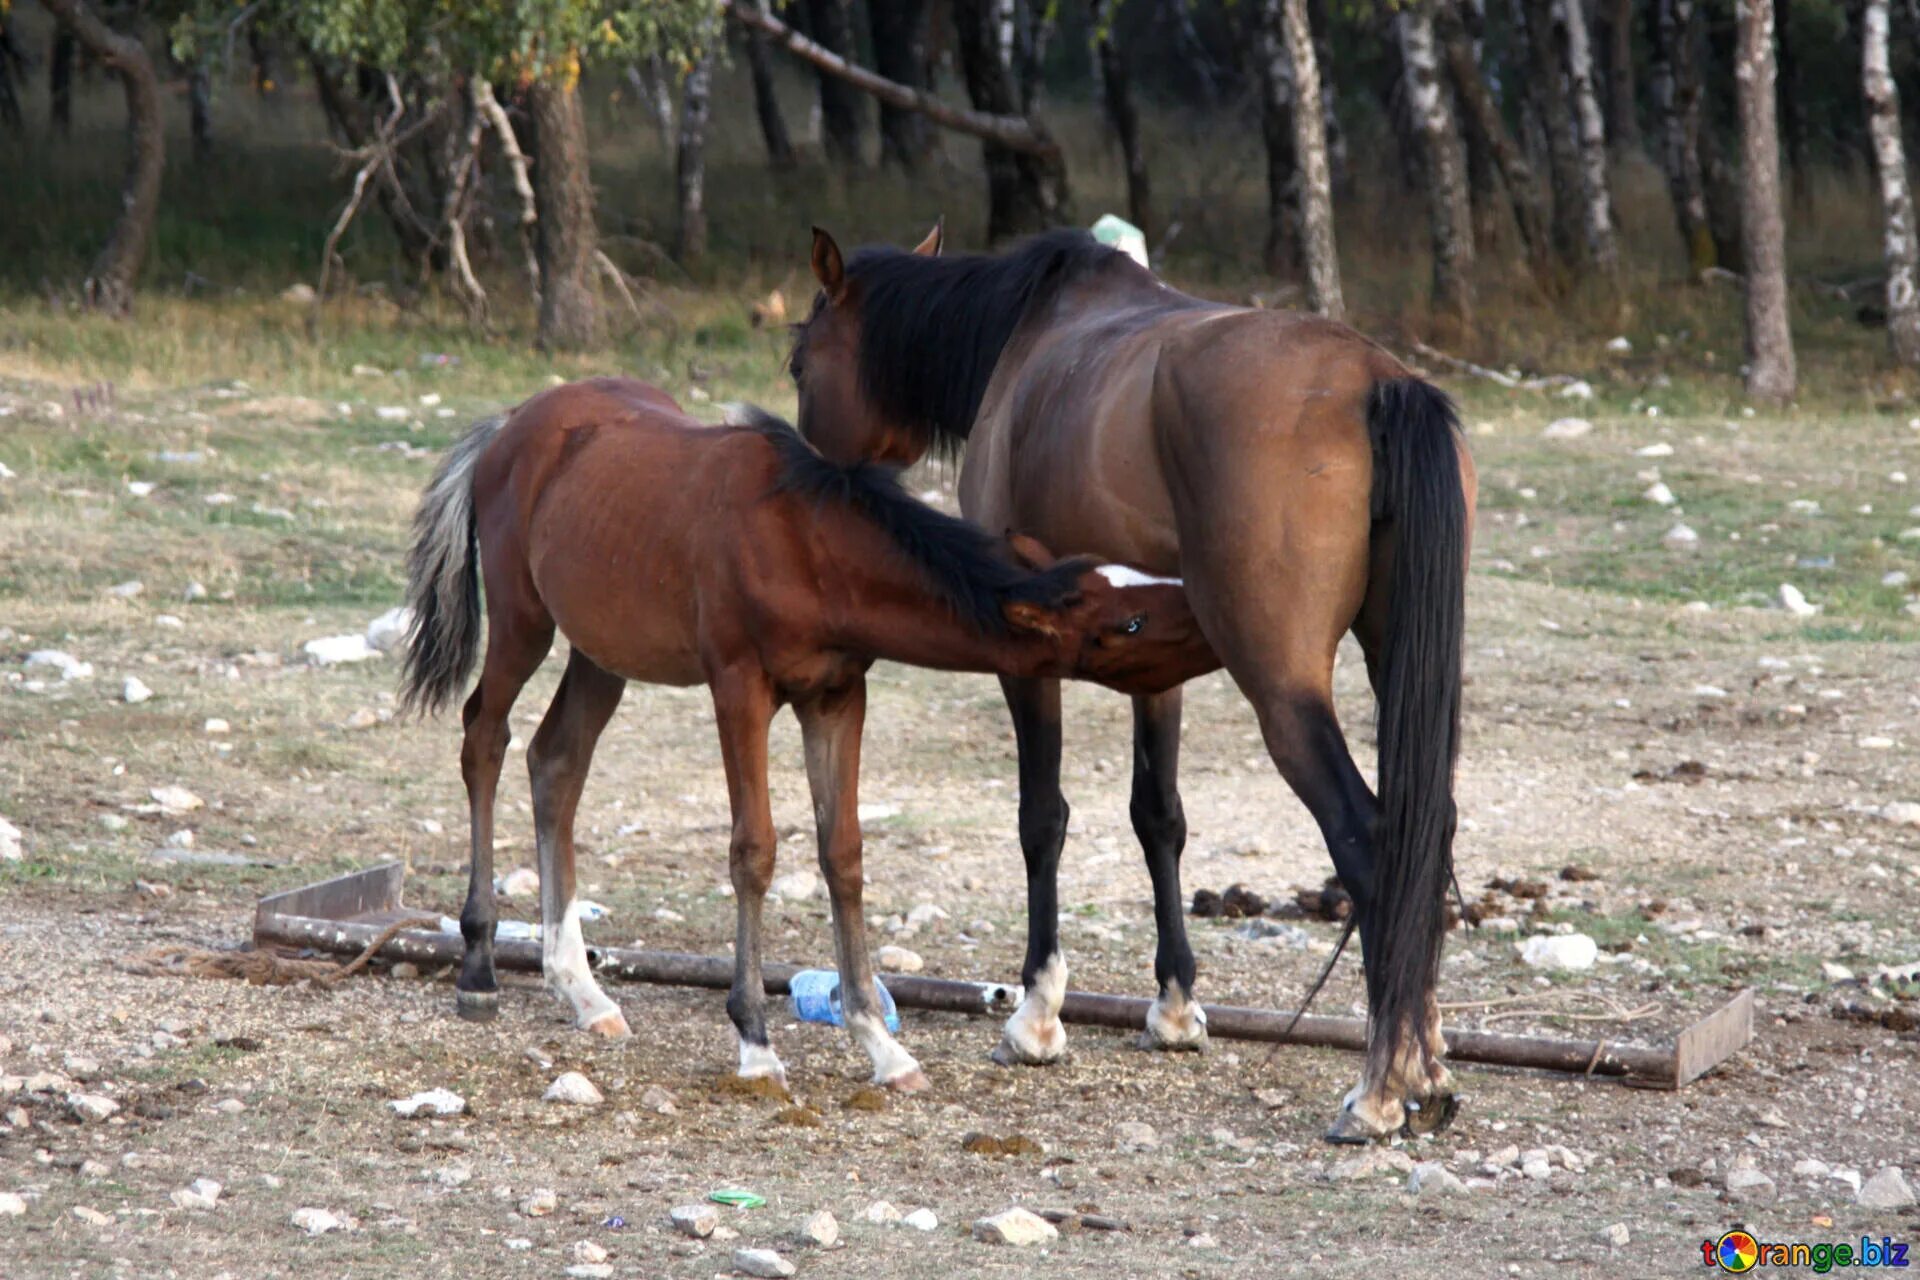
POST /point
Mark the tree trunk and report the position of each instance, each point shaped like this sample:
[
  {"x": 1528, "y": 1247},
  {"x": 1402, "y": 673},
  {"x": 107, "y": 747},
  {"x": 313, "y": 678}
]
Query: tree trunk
[
  {"x": 110, "y": 281},
  {"x": 899, "y": 30},
  {"x": 1546, "y": 88},
  {"x": 200, "y": 110},
  {"x": 1624, "y": 119},
  {"x": 841, "y": 105},
  {"x": 1896, "y": 198},
  {"x": 656, "y": 94},
  {"x": 1337, "y": 165},
  {"x": 1026, "y": 191},
  {"x": 1676, "y": 92},
  {"x": 1483, "y": 117},
  {"x": 690, "y": 166},
  {"x": 1439, "y": 134},
  {"x": 60, "y": 80},
  {"x": 1190, "y": 49},
  {"x": 1314, "y": 191},
  {"x": 1770, "y": 365},
  {"x": 766, "y": 103},
  {"x": 1596, "y": 186},
  {"x": 1116, "y": 92},
  {"x": 10, "y": 64},
  {"x": 565, "y": 236},
  {"x": 1283, "y": 249}
]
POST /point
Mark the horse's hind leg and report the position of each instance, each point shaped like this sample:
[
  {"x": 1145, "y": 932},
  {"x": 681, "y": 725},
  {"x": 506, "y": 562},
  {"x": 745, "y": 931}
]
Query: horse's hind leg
[
  {"x": 558, "y": 761},
  {"x": 1034, "y": 1034},
  {"x": 743, "y": 705},
  {"x": 831, "y": 728},
  {"x": 517, "y": 642},
  {"x": 1175, "y": 1020}
]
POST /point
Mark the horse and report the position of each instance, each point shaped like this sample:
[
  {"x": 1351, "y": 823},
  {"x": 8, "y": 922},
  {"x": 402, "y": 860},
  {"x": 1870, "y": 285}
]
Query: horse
[
  {"x": 736, "y": 557},
  {"x": 1302, "y": 481}
]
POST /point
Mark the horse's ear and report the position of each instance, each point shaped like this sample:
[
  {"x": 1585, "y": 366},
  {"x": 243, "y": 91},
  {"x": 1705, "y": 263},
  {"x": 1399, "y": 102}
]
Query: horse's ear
[
  {"x": 1029, "y": 551},
  {"x": 828, "y": 268},
  {"x": 936, "y": 238},
  {"x": 1024, "y": 615}
]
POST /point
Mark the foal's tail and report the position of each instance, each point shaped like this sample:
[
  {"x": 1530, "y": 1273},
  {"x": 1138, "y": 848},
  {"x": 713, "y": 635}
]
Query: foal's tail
[
  {"x": 1417, "y": 490},
  {"x": 443, "y": 579}
]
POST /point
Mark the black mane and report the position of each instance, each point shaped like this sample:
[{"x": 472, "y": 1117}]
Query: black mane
[
  {"x": 931, "y": 329},
  {"x": 966, "y": 565}
]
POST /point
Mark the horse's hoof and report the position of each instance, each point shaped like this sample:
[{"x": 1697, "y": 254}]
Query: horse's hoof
[
  {"x": 610, "y": 1026},
  {"x": 1430, "y": 1115},
  {"x": 1183, "y": 1029},
  {"x": 1350, "y": 1129},
  {"x": 477, "y": 1006},
  {"x": 1153, "y": 1041},
  {"x": 914, "y": 1081},
  {"x": 1011, "y": 1054}
]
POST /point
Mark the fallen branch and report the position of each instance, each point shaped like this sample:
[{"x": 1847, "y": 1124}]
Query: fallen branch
[
  {"x": 496, "y": 117},
  {"x": 1507, "y": 380}
]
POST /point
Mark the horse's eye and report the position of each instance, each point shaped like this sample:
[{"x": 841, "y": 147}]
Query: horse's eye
[{"x": 1135, "y": 623}]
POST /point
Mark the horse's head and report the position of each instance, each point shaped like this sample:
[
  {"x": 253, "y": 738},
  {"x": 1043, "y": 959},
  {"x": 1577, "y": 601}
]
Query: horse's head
[
  {"x": 837, "y": 415},
  {"x": 1121, "y": 628}
]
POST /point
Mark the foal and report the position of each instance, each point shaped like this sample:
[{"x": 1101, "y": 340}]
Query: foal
[{"x": 738, "y": 558}]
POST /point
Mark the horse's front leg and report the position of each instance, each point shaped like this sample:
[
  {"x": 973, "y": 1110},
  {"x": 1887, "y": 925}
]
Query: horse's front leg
[
  {"x": 831, "y": 726},
  {"x": 1175, "y": 1020},
  {"x": 743, "y": 704},
  {"x": 1034, "y": 1034}
]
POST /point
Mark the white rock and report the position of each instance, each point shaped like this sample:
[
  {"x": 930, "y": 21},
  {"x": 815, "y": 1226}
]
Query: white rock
[
  {"x": 1903, "y": 813},
  {"x": 389, "y": 631},
  {"x": 1811, "y": 1168},
  {"x": 10, "y": 850},
  {"x": 795, "y": 886},
  {"x": 1374, "y": 1160},
  {"x": 441, "y": 1102},
  {"x": 92, "y": 1106},
  {"x": 1658, "y": 449},
  {"x": 169, "y": 622},
  {"x": 575, "y": 1090},
  {"x": 658, "y": 1100},
  {"x": 878, "y": 812},
  {"x": 1616, "y": 1236},
  {"x": 1202, "y": 1241},
  {"x": 922, "y": 1219},
  {"x": 127, "y": 590},
  {"x": 174, "y": 799},
  {"x": 1573, "y": 951},
  {"x": 898, "y": 960},
  {"x": 1749, "y": 1184},
  {"x": 1895, "y": 578},
  {"x": 1833, "y": 972},
  {"x": 1133, "y": 1135},
  {"x": 1578, "y": 389},
  {"x": 315, "y": 1222},
  {"x": 1795, "y": 602},
  {"x": 761, "y": 1262},
  {"x": 880, "y": 1212},
  {"x": 695, "y": 1220},
  {"x": 69, "y": 667},
  {"x": 11, "y": 1205},
  {"x": 1015, "y": 1226},
  {"x": 819, "y": 1229},
  {"x": 91, "y": 1216},
  {"x": 521, "y": 882},
  {"x": 539, "y": 1204},
  {"x": 202, "y": 1194},
  {"x": 135, "y": 691},
  {"x": 1538, "y": 1170},
  {"x": 1433, "y": 1178},
  {"x": 1886, "y": 1189},
  {"x": 1681, "y": 536},
  {"x": 924, "y": 914},
  {"x": 1849, "y": 1176},
  {"x": 1566, "y": 429},
  {"x": 215, "y": 726},
  {"x": 519, "y": 1244},
  {"x": 390, "y": 412},
  {"x": 299, "y": 294},
  {"x": 590, "y": 1271},
  {"x": 588, "y": 1252},
  {"x": 1659, "y": 494},
  {"x": 329, "y": 651}
]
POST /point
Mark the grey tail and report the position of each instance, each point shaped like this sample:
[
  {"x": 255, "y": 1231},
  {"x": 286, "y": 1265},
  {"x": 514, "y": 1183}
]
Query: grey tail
[{"x": 443, "y": 579}]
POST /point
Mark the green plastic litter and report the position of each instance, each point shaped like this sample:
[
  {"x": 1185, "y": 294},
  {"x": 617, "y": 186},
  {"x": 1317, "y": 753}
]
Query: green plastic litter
[{"x": 738, "y": 1198}]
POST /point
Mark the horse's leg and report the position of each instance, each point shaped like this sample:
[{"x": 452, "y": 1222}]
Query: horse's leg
[
  {"x": 743, "y": 704},
  {"x": 1175, "y": 1020},
  {"x": 1033, "y": 1034},
  {"x": 557, "y": 761},
  {"x": 831, "y": 728},
  {"x": 517, "y": 642}
]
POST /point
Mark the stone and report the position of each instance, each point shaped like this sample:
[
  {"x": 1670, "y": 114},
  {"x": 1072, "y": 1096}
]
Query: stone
[
  {"x": 1833, "y": 972},
  {"x": 795, "y": 886},
  {"x": 1795, "y": 602},
  {"x": 1566, "y": 429},
  {"x": 92, "y": 1106},
  {"x": 1015, "y": 1226},
  {"x": 11, "y": 1205},
  {"x": 1373, "y": 1161},
  {"x": 437, "y": 1101},
  {"x": 590, "y": 1271},
  {"x": 79, "y": 1066},
  {"x": 657, "y": 1100},
  {"x": 215, "y": 726},
  {"x": 10, "y": 850},
  {"x": 924, "y": 914},
  {"x": 174, "y": 800},
  {"x": 1904, "y": 813},
  {"x": 1202, "y": 1240},
  {"x": 134, "y": 691},
  {"x": 588, "y": 1252},
  {"x": 880, "y": 1212},
  {"x": 898, "y": 959},
  {"x": 299, "y": 294},
  {"x": 1615, "y": 1237},
  {"x": 1811, "y": 1168},
  {"x": 1659, "y": 495},
  {"x": 68, "y": 666},
  {"x": 695, "y": 1220},
  {"x": 332, "y": 651},
  {"x": 1681, "y": 536},
  {"x": 448, "y": 1175},
  {"x": 127, "y": 590},
  {"x": 539, "y": 1204},
  {"x": 1430, "y": 1177},
  {"x": 520, "y": 882},
  {"x": 1886, "y": 1189},
  {"x": 1133, "y": 1135},
  {"x": 1570, "y": 951},
  {"x": 1749, "y": 1185},
  {"x": 389, "y": 631},
  {"x": 819, "y": 1229},
  {"x": 761, "y": 1262},
  {"x": 575, "y": 1090},
  {"x": 91, "y": 1216},
  {"x": 315, "y": 1222},
  {"x": 202, "y": 1195},
  {"x": 922, "y": 1219}
]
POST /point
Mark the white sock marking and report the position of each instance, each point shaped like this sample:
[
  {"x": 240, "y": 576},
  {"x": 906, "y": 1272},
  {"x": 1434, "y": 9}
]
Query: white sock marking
[
  {"x": 1034, "y": 1029},
  {"x": 760, "y": 1060},
  {"x": 1121, "y": 575},
  {"x": 890, "y": 1061},
  {"x": 563, "y": 960}
]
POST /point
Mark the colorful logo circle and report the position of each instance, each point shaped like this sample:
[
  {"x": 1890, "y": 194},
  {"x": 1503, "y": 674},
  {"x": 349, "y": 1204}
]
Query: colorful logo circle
[{"x": 1736, "y": 1251}]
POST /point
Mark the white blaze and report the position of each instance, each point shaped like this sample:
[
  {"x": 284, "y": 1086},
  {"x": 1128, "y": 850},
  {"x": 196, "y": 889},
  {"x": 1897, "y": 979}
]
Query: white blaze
[{"x": 1121, "y": 575}]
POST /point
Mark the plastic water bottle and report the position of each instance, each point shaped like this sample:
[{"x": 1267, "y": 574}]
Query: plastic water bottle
[{"x": 816, "y": 998}]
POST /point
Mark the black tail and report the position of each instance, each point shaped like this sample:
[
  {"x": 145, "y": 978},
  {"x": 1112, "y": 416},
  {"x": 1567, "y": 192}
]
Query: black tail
[
  {"x": 443, "y": 580},
  {"x": 1419, "y": 501}
]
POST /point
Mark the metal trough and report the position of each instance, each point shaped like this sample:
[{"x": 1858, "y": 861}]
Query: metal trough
[{"x": 346, "y": 914}]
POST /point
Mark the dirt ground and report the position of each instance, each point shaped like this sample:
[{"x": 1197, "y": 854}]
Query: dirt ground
[{"x": 1721, "y": 774}]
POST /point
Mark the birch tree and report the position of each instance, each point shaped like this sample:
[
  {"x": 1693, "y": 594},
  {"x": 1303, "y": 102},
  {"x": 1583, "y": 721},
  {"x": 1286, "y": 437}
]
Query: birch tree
[
  {"x": 1116, "y": 94},
  {"x": 1596, "y": 188},
  {"x": 690, "y": 160},
  {"x": 1314, "y": 181},
  {"x": 1545, "y": 82},
  {"x": 1449, "y": 209},
  {"x": 1676, "y": 92},
  {"x": 1770, "y": 364},
  {"x": 1896, "y": 198},
  {"x": 1276, "y": 125}
]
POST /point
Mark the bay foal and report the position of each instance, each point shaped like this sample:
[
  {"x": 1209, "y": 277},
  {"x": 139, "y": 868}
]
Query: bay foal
[{"x": 739, "y": 558}]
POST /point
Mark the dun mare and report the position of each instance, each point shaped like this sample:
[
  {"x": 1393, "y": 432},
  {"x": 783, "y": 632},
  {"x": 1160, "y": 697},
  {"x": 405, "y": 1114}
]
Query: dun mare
[
  {"x": 1297, "y": 476},
  {"x": 738, "y": 558}
]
